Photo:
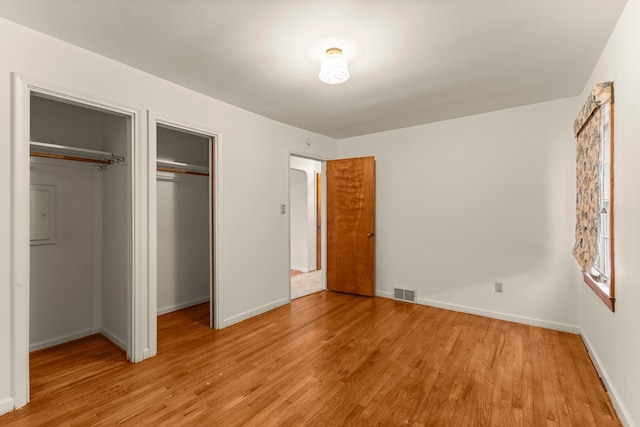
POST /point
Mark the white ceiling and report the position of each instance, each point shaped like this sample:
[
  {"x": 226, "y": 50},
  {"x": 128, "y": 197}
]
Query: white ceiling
[{"x": 411, "y": 61}]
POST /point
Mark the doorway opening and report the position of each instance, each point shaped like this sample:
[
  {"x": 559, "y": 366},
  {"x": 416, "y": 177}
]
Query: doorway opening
[
  {"x": 305, "y": 216},
  {"x": 81, "y": 222},
  {"x": 183, "y": 206}
]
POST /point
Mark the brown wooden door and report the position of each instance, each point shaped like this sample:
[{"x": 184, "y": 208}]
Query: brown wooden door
[{"x": 351, "y": 202}]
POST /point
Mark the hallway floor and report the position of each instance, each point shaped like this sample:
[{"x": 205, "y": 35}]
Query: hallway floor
[{"x": 306, "y": 284}]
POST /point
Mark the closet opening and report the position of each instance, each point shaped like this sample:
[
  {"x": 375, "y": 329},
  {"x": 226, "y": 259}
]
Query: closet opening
[
  {"x": 79, "y": 223},
  {"x": 185, "y": 222}
]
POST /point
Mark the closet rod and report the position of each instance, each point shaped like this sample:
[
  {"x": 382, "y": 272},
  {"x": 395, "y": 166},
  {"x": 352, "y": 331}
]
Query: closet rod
[
  {"x": 75, "y": 150},
  {"x": 186, "y": 172},
  {"x": 179, "y": 167},
  {"x": 74, "y": 158},
  {"x": 101, "y": 159}
]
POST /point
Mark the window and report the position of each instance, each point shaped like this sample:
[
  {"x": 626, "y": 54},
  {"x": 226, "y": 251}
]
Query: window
[
  {"x": 602, "y": 267},
  {"x": 594, "y": 192}
]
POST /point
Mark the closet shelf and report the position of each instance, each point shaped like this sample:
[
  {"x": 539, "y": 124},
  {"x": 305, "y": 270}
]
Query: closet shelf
[
  {"x": 64, "y": 152},
  {"x": 179, "y": 167}
]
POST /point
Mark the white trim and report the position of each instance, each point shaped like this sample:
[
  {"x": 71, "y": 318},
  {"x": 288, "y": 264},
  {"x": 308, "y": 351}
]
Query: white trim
[
  {"x": 182, "y": 305},
  {"x": 616, "y": 399},
  {"x": 152, "y": 236},
  {"x": 305, "y": 155},
  {"x": 384, "y": 294},
  {"x": 19, "y": 242},
  {"x": 254, "y": 312},
  {"x": 155, "y": 120},
  {"x": 557, "y": 326},
  {"x": 6, "y": 405},
  {"x": 139, "y": 340},
  {"x": 63, "y": 339},
  {"x": 22, "y": 88}
]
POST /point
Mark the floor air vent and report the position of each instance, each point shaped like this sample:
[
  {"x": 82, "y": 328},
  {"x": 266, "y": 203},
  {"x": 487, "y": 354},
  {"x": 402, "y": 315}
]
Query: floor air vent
[{"x": 404, "y": 294}]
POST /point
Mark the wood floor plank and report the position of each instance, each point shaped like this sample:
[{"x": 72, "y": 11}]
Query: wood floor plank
[{"x": 325, "y": 359}]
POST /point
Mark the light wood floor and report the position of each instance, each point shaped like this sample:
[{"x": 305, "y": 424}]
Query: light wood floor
[
  {"x": 306, "y": 283},
  {"x": 325, "y": 359}
]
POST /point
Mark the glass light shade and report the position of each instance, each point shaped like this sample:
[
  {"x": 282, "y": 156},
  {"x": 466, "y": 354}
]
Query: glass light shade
[{"x": 333, "y": 68}]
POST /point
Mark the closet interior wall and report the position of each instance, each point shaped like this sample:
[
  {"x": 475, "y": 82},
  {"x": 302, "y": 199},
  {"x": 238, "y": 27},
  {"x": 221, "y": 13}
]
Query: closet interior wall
[
  {"x": 79, "y": 284},
  {"x": 184, "y": 239}
]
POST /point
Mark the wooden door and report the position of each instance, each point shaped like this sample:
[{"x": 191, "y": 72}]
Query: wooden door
[{"x": 351, "y": 202}]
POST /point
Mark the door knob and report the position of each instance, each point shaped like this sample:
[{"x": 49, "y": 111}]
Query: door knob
[{"x": 370, "y": 234}]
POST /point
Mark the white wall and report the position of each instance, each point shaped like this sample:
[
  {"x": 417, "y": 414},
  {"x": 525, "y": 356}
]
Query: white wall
[
  {"x": 66, "y": 277},
  {"x": 464, "y": 203},
  {"x": 298, "y": 214},
  {"x": 116, "y": 211},
  {"x": 55, "y": 122},
  {"x": 614, "y": 338},
  {"x": 179, "y": 146},
  {"x": 183, "y": 241},
  {"x": 183, "y": 224},
  {"x": 250, "y": 147}
]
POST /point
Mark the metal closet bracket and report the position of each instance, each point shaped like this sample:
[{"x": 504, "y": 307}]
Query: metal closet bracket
[{"x": 116, "y": 159}]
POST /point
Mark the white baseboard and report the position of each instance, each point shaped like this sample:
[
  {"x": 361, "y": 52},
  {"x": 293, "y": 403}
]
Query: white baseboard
[
  {"x": 6, "y": 405},
  {"x": 384, "y": 294},
  {"x": 557, "y": 326},
  {"x": 254, "y": 312},
  {"x": 182, "y": 305},
  {"x": 492, "y": 314},
  {"x": 621, "y": 409},
  {"x": 111, "y": 337},
  {"x": 63, "y": 339}
]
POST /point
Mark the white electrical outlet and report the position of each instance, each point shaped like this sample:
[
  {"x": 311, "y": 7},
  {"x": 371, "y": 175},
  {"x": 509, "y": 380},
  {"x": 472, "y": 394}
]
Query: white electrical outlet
[{"x": 498, "y": 286}]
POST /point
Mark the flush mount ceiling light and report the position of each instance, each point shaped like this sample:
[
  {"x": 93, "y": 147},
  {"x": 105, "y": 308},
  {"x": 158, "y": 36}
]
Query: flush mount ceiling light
[{"x": 333, "y": 67}]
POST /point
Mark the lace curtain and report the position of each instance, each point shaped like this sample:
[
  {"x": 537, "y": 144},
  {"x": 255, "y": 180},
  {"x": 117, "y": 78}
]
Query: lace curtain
[{"x": 587, "y": 130}]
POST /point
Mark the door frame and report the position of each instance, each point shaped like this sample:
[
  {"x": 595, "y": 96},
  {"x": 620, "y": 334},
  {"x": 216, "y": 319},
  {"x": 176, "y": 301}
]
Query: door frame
[
  {"x": 213, "y": 135},
  {"x": 322, "y": 160},
  {"x": 137, "y": 339}
]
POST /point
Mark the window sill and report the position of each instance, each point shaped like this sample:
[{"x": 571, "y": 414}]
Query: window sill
[{"x": 608, "y": 300}]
